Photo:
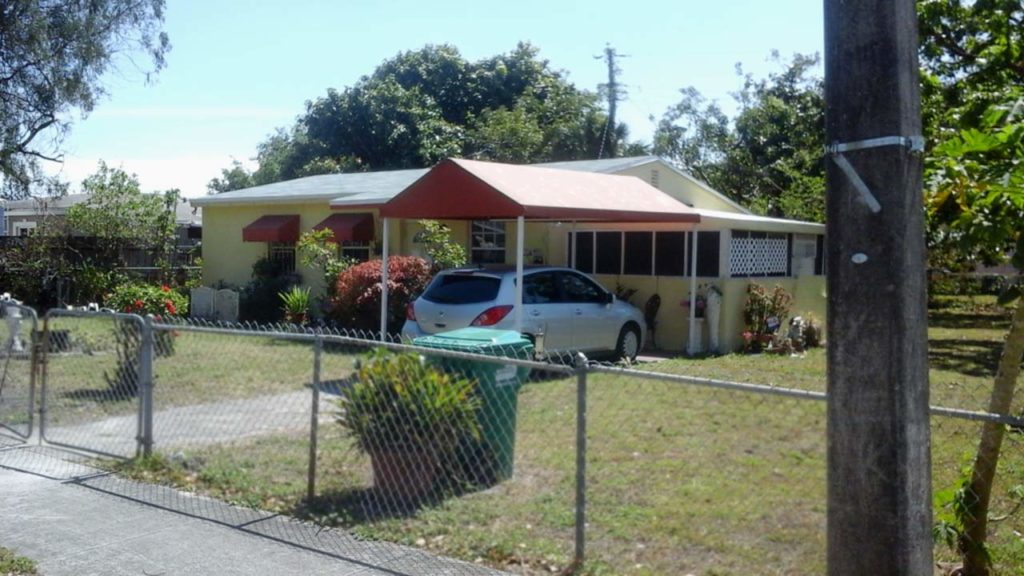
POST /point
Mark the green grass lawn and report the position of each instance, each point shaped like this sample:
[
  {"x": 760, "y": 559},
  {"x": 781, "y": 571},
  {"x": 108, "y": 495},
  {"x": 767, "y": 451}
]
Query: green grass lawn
[{"x": 681, "y": 479}]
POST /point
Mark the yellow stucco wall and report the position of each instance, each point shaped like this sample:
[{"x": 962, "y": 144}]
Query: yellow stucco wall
[
  {"x": 669, "y": 181},
  {"x": 227, "y": 259}
]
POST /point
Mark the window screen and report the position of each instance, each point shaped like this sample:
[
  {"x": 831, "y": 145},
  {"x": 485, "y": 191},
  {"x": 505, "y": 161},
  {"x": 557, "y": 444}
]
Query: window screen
[
  {"x": 708, "y": 244},
  {"x": 585, "y": 252},
  {"x": 609, "y": 253},
  {"x": 670, "y": 253},
  {"x": 639, "y": 253}
]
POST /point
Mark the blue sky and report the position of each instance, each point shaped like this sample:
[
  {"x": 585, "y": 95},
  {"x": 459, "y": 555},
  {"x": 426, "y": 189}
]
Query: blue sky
[{"x": 239, "y": 69}]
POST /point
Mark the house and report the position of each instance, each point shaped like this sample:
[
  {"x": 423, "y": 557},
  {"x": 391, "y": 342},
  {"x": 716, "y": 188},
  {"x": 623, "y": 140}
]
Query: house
[
  {"x": 725, "y": 246},
  {"x": 22, "y": 217}
]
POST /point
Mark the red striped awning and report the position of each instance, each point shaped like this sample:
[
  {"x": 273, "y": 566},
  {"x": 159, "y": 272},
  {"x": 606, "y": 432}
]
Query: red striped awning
[
  {"x": 273, "y": 228},
  {"x": 357, "y": 227}
]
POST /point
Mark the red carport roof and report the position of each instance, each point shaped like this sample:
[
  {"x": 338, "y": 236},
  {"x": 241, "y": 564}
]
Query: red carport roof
[
  {"x": 273, "y": 228},
  {"x": 349, "y": 227},
  {"x": 472, "y": 190}
]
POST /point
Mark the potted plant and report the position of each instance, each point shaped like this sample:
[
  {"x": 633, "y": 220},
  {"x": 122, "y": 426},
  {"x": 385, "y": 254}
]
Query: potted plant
[
  {"x": 409, "y": 418},
  {"x": 295, "y": 305}
]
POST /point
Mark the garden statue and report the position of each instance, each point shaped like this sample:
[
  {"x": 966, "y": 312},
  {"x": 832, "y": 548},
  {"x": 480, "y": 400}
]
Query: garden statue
[
  {"x": 713, "y": 309},
  {"x": 13, "y": 316}
]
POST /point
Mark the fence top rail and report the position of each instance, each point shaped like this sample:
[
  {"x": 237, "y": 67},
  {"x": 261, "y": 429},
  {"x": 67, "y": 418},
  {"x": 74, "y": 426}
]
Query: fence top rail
[
  {"x": 27, "y": 312},
  {"x": 312, "y": 335},
  {"x": 708, "y": 382},
  {"x": 64, "y": 313}
]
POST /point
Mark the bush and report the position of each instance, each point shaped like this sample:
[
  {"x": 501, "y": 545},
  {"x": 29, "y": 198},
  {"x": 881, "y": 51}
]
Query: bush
[
  {"x": 400, "y": 403},
  {"x": 160, "y": 301},
  {"x": 356, "y": 303},
  {"x": 260, "y": 301},
  {"x": 764, "y": 312}
]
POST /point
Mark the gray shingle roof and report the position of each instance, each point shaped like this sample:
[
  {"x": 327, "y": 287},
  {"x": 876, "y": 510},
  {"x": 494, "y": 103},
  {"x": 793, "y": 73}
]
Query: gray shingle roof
[{"x": 382, "y": 185}]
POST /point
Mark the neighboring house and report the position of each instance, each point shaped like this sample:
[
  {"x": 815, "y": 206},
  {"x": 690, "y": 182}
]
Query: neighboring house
[
  {"x": 24, "y": 217},
  {"x": 733, "y": 247}
]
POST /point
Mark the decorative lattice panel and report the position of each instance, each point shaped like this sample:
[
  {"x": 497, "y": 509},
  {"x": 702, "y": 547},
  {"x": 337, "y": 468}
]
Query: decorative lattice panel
[{"x": 758, "y": 256}]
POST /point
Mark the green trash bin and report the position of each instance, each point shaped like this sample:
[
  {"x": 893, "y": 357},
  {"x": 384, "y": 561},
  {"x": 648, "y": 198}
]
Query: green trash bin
[{"x": 491, "y": 460}]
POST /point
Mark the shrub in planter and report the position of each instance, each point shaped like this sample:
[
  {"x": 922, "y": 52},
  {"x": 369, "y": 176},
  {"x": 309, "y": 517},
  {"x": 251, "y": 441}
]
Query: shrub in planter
[
  {"x": 356, "y": 302},
  {"x": 410, "y": 418},
  {"x": 763, "y": 314},
  {"x": 295, "y": 305},
  {"x": 259, "y": 301}
]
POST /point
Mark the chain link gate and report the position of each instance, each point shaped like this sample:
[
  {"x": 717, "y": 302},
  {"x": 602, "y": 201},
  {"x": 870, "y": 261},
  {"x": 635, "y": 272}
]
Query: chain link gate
[
  {"x": 96, "y": 373},
  {"x": 17, "y": 372}
]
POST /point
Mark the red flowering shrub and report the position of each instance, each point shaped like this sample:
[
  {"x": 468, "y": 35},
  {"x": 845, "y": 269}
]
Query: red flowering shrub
[
  {"x": 356, "y": 303},
  {"x": 145, "y": 299}
]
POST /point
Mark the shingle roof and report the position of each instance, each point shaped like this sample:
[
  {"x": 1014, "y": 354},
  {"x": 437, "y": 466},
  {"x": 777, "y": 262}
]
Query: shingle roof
[{"x": 384, "y": 185}]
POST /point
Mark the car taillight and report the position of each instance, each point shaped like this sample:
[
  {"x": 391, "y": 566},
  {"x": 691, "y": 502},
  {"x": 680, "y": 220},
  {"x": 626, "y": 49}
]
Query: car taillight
[
  {"x": 410, "y": 311},
  {"x": 491, "y": 316}
]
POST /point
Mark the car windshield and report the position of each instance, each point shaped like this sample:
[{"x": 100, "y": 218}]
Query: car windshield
[{"x": 462, "y": 289}]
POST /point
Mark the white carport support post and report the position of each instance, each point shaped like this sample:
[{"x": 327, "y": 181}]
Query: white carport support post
[
  {"x": 693, "y": 346},
  {"x": 520, "y": 241},
  {"x": 385, "y": 232}
]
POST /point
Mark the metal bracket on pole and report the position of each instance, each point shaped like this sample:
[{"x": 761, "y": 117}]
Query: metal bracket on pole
[{"x": 915, "y": 144}]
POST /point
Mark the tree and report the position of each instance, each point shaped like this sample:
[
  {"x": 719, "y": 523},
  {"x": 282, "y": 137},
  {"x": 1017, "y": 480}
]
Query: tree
[
  {"x": 234, "y": 178},
  {"x": 426, "y": 105},
  {"x": 976, "y": 192},
  {"x": 972, "y": 53},
  {"x": 769, "y": 156},
  {"x": 52, "y": 58},
  {"x": 120, "y": 216}
]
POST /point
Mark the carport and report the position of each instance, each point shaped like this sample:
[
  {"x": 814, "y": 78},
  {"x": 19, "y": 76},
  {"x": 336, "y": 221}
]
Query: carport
[{"x": 457, "y": 189}]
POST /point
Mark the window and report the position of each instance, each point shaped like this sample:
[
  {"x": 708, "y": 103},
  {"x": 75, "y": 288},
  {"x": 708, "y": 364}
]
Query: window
[
  {"x": 585, "y": 252},
  {"x": 355, "y": 250},
  {"x": 579, "y": 289},
  {"x": 639, "y": 249},
  {"x": 759, "y": 253},
  {"x": 670, "y": 257},
  {"x": 609, "y": 253},
  {"x": 819, "y": 257},
  {"x": 487, "y": 242},
  {"x": 283, "y": 255},
  {"x": 460, "y": 288},
  {"x": 708, "y": 246},
  {"x": 540, "y": 288}
]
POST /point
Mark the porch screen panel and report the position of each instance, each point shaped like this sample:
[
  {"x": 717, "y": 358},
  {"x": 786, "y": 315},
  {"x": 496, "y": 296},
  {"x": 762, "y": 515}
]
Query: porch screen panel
[
  {"x": 708, "y": 244},
  {"x": 670, "y": 254},
  {"x": 639, "y": 253},
  {"x": 609, "y": 253},
  {"x": 585, "y": 252}
]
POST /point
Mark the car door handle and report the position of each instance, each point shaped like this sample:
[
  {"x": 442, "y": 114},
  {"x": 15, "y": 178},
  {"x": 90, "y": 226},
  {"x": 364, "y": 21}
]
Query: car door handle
[
  {"x": 579, "y": 312},
  {"x": 535, "y": 313}
]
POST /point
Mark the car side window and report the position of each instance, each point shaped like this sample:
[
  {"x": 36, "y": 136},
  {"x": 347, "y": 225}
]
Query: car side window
[
  {"x": 580, "y": 289},
  {"x": 540, "y": 288}
]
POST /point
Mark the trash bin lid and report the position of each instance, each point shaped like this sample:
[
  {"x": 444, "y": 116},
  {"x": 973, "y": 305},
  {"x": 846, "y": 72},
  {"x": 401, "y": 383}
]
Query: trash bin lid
[{"x": 472, "y": 339}]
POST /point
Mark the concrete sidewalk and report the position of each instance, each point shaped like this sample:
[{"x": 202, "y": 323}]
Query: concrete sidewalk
[{"x": 75, "y": 520}]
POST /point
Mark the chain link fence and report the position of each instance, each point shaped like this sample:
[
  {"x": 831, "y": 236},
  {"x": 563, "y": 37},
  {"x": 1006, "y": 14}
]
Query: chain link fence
[
  {"x": 17, "y": 372},
  {"x": 467, "y": 457}
]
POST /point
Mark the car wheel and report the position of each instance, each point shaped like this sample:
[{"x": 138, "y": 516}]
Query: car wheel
[{"x": 628, "y": 345}]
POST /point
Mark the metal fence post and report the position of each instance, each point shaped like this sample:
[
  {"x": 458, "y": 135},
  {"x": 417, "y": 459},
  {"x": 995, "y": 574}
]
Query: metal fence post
[
  {"x": 314, "y": 422},
  {"x": 145, "y": 386},
  {"x": 581, "y": 458}
]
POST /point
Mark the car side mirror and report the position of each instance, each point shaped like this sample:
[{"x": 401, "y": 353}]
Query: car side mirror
[{"x": 609, "y": 298}]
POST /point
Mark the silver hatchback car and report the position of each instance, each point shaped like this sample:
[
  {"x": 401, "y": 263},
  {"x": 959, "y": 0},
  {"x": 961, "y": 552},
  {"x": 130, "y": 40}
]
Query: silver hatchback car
[{"x": 570, "y": 310}]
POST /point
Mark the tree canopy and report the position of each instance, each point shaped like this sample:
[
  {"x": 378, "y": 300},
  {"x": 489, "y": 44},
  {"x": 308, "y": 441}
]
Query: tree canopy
[
  {"x": 769, "y": 156},
  {"x": 53, "y": 55},
  {"x": 425, "y": 105}
]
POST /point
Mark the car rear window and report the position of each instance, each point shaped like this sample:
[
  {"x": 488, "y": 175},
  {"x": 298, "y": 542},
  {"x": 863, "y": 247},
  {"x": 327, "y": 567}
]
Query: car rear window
[{"x": 463, "y": 289}]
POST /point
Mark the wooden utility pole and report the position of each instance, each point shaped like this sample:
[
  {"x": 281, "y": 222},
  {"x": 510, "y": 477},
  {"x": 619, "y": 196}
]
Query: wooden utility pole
[
  {"x": 613, "y": 91},
  {"x": 879, "y": 480}
]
